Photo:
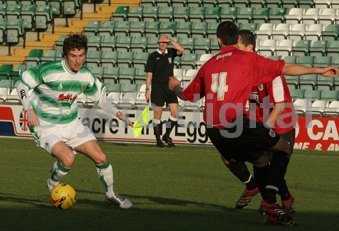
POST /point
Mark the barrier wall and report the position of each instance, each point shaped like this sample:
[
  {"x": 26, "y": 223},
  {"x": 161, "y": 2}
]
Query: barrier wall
[{"x": 312, "y": 133}]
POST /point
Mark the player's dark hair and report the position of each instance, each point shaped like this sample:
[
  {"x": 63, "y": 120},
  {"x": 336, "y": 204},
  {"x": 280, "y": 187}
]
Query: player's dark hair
[
  {"x": 247, "y": 37},
  {"x": 228, "y": 33},
  {"x": 74, "y": 41}
]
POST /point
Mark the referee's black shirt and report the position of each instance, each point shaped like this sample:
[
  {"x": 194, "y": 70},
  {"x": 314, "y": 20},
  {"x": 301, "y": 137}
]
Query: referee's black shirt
[{"x": 161, "y": 65}]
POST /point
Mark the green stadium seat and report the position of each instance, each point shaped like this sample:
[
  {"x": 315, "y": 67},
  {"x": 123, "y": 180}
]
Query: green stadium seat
[
  {"x": 150, "y": 13},
  {"x": 312, "y": 95},
  {"x": 112, "y": 85},
  {"x": 290, "y": 59},
  {"x": 318, "y": 48},
  {"x": 180, "y": 13},
  {"x": 165, "y": 13},
  {"x": 332, "y": 48},
  {"x": 335, "y": 60},
  {"x": 152, "y": 43},
  {"x": 322, "y": 61},
  {"x": 14, "y": 30},
  {"x": 106, "y": 28},
  {"x": 186, "y": 42},
  {"x": 135, "y": 13},
  {"x": 201, "y": 44},
  {"x": 211, "y": 28},
  {"x": 293, "y": 81},
  {"x": 124, "y": 59},
  {"x": 260, "y": 15},
  {"x": 110, "y": 73},
  {"x": 331, "y": 32},
  {"x": 305, "y": 60},
  {"x": 122, "y": 42},
  {"x": 210, "y": 3},
  {"x": 94, "y": 58},
  {"x": 329, "y": 95},
  {"x": 69, "y": 8},
  {"x": 136, "y": 28},
  {"x": 324, "y": 83},
  {"x": 148, "y": 2},
  {"x": 183, "y": 28},
  {"x": 212, "y": 14},
  {"x": 248, "y": 26},
  {"x": 92, "y": 28},
  {"x": 108, "y": 59},
  {"x": 126, "y": 76},
  {"x": 167, "y": 27},
  {"x": 301, "y": 47},
  {"x": 225, "y": 3},
  {"x": 163, "y": 3},
  {"x": 107, "y": 43},
  {"x": 214, "y": 44},
  {"x": 244, "y": 14},
  {"x": 140, "y": 76},
  {"x": 297, "y": 94},
  {"x": 93, "y": 43},
  {"x": 27, "y": 14},
  {"x": 188, "y": 60},
  {"x": 151, "y": 28},
  {"x": 121, "y": 27},
  {"x": 140, "y": 59},
  {"x": 308, "y": 81},
  {"x": 199, "y": 29},
  {"x": 196, "y": 14},
  {"x": 96, "y": 71},
  {"x": 2, "y": 31},
  {"x": 228, "y": 13},
  {"x": 138, "y": 43},
  {"x": 56, "y": 7},
  {"x": 258, "y": 3},
  {"x": 121, "y": 13},
  {"x": 195, "y": 3},
  {"x": 277, "y": 14}
]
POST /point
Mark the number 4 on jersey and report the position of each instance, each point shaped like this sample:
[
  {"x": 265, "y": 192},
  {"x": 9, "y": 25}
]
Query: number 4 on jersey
[{"x": 219, "y": 84}]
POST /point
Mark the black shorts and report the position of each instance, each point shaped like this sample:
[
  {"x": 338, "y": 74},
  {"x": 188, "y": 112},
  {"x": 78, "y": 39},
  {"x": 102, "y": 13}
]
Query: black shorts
[
  {"x": 246, "y": 147},
  {"x": 161, "y": 93}
]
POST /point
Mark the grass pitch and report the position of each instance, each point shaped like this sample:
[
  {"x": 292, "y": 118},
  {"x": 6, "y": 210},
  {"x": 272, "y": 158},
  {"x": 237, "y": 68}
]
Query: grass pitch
[{"x": 184, "y": 188}]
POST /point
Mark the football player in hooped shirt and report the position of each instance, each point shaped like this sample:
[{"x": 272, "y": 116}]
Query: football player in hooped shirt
[{"x": 226, "y": 81}]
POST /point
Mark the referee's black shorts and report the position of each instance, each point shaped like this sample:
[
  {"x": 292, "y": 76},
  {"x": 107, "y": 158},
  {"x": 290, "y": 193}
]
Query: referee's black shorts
[
  {"x": 161, "y": 94},
  {"x": 248, "y": 146}
]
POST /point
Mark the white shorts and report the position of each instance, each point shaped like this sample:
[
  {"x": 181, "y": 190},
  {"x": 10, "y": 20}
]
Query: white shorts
[{"x": 72, "y": 134}]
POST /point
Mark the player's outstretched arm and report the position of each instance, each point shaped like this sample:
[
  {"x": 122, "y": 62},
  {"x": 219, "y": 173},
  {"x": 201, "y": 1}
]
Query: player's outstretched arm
[{"x": 296, "y": 69}]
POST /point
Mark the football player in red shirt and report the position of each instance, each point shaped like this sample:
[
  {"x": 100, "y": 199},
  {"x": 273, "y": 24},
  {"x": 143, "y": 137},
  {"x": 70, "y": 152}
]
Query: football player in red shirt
[
  {"x": 271, "y": 104},
  {"x": 226, "y": 81}
]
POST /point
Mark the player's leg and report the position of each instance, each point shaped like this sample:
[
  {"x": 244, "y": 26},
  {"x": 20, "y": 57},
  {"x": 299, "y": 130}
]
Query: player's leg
[
  {"x": 63, "y": 164},
  {"x": 240, "y": 170},
  {"x": 51, "y": 139},
  {"x": 171, "y": 123},
  {"x": 286, "y": 197},
  {"x": 104, "y": 169},
  {"x": 158, "y": 101},
  {"x": 157, "y": 112}
]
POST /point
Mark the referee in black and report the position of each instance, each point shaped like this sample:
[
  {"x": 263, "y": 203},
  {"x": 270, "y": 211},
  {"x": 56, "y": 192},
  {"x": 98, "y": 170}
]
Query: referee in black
[{"x": 158, "y": 69}]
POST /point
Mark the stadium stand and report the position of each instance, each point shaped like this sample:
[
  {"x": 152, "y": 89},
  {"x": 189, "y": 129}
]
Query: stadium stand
[{"x": 303, "y": 31}]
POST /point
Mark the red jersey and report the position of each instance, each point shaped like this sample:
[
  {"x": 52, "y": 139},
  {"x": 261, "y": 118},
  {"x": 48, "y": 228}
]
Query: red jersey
[
  {"x": 265, "y": 96},
  {"x": 226, "y": 81}
]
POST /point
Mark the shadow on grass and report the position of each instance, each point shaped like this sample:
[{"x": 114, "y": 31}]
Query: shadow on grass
[{"x": 167, "y": 214}]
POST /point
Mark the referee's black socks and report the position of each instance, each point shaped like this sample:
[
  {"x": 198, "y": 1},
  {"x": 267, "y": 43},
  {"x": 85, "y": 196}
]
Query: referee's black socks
[
  {"x": 157, "y": 129},
  {"x": 171, "y": 123}
]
